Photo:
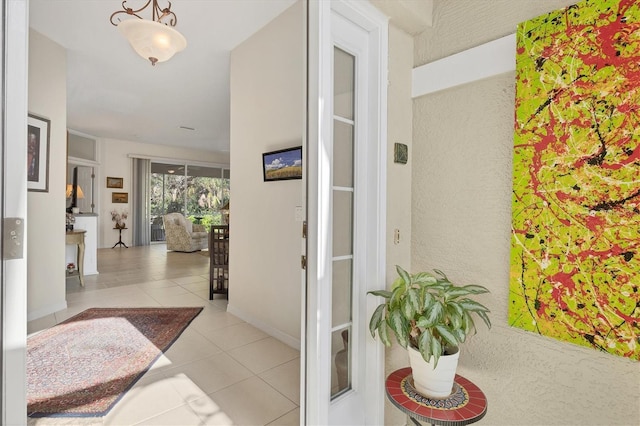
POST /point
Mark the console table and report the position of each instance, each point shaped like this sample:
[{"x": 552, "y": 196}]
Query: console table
[
  {"x": 466, "y": 404},
  {"x": 76, "y": 237},
  {"x": 88, "y": 222}
]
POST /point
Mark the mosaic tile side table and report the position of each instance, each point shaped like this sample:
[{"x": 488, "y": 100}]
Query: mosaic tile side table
[{"x": 466, "y": 404}]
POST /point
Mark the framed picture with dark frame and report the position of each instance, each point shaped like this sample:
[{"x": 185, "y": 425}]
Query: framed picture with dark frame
[
  {"x": 38, "y": 135},
  {"x": 284, "y": 164},
  {"x": 119, "y": 197},
  {"x": 115, "y": 182}
]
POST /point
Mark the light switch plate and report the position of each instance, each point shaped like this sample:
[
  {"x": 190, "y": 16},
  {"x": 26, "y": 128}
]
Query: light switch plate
[{"x": 13, "y": 238}]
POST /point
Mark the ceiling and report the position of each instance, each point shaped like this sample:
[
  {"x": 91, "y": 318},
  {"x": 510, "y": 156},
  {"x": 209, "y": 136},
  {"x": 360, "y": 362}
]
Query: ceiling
[{"x": 114, "y": 93}]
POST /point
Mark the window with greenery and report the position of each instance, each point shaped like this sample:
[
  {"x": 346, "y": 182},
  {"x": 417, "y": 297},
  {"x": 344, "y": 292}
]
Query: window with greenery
[{"x": 198, "y": 192}]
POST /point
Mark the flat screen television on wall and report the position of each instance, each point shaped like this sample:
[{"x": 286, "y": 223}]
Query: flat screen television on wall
[{"x": 284, "y": 164}]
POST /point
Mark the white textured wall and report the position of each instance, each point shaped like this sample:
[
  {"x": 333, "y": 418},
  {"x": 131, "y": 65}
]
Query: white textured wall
[
  {"x": 267, "y": 107},
  {"x": 461, "y": 24},
  {"x": 46, "y": 210},
  {"x": 399, "y": 119},
  {"x": 461, "y": 186},
  {"x": 115, "y": 162}
]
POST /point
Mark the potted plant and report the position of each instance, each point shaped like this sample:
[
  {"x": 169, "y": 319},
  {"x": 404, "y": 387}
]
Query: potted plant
[{"x": 431, "y": 317}]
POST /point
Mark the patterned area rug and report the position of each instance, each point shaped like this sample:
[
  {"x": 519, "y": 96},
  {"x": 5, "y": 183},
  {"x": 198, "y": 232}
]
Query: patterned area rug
[{"x": 84, "y": 365}]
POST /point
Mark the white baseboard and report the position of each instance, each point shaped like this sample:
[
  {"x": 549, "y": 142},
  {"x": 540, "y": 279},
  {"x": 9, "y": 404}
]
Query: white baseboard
[
  {"x": 271, "y": 331},
  {"x": 47, "y": 310}
]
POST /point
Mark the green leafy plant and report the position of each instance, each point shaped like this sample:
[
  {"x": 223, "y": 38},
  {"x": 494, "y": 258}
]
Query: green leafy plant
[{"x": 428, "y": 312}]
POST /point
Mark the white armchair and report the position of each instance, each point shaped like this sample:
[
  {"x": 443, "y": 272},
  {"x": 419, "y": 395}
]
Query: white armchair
[{"x": 182, "y": 235}]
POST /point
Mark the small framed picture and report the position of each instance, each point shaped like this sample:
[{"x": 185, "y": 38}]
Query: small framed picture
[
  {"x": 119, "y": 197},
  {"x": 38, "y": 133},
  {"x": 400, "y": 153},
  {"x": 283, "y": 164},
  {"x": 115, "y": 182}
]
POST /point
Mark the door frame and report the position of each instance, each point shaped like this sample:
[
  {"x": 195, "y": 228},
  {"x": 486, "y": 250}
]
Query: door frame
[
  {"x": 14, "y": 204},
  {"x": 316, "y": 357}
]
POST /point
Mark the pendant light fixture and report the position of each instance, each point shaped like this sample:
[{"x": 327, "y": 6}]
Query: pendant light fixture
[{"x": 155, "y": 40}]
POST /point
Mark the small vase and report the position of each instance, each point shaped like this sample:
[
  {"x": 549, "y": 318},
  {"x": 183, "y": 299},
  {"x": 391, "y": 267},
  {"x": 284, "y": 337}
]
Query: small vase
[{"x": 435, "y": 383}]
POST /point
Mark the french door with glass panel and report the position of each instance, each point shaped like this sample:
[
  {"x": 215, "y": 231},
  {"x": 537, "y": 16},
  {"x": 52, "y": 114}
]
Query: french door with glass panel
[{"x": 346, "y": 203}]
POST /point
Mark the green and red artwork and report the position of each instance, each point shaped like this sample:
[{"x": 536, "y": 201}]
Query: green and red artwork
[{"x": 575, "y": 246}]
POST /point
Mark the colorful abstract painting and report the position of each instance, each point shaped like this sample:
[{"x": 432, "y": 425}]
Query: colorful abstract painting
[{"x": 575, "y": 246}]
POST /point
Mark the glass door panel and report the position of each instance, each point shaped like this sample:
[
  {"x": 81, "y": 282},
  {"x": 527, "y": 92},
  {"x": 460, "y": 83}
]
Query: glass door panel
[
  {"x": 343, "y": 83},
  {"x": 198, "y": 192},
  {"x": 206, "y": 193},
  {"x": 342, "y": 222},
  {"x": 341, "y": 294},
  {"x": 342, "y": 153},
  {"x": 343, "y": 227},
  {"x": 341, "y": 354}
]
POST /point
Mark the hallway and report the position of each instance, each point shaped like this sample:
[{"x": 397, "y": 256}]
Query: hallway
[{"x": 221, "y": 371}]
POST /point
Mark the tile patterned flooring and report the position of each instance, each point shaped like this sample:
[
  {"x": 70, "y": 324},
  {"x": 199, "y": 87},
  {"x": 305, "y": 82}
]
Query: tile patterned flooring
[{"x": 221, "y": 371}]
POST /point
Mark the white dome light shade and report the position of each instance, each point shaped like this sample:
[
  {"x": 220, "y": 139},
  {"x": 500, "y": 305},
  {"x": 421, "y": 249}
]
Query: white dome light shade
[{"x": 152, "y": 40}]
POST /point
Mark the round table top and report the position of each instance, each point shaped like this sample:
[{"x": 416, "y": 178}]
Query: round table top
[{"x": 466, "y": 404}]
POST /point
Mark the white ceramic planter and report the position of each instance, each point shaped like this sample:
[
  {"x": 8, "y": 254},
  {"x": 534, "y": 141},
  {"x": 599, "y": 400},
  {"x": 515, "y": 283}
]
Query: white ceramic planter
[{"x": 436, "y": 383}]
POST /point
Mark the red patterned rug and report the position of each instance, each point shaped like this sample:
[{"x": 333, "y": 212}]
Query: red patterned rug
[{"x": 84, "y": 365}]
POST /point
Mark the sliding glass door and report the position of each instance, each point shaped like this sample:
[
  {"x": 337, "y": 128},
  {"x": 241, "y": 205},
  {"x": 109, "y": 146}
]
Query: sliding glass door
[{"x": 198, "y": 192}]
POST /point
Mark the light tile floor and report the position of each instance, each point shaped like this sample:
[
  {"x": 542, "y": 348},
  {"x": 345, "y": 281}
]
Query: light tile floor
[{"x": 221, "y": 371}]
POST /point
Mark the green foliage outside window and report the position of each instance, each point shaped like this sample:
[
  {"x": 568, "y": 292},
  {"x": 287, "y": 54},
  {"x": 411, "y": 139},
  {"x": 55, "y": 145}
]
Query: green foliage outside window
[{"x": 204, "y": 196}]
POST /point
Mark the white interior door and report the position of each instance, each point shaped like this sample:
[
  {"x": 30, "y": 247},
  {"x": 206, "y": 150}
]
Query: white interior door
[
  {"x": 13, "y": 172},
  {"x": 346, "y": 211}
]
